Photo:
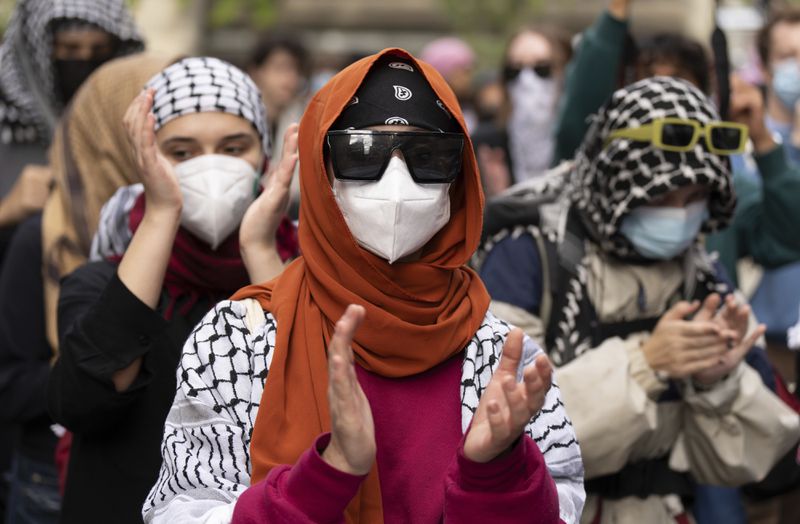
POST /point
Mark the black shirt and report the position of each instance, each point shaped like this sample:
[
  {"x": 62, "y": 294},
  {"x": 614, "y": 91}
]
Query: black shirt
[{"x": 115, "y": 455}]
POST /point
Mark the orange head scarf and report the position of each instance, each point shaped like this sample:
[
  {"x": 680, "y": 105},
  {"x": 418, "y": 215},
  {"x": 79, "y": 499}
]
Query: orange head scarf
[{"x": 418, "y": 314}]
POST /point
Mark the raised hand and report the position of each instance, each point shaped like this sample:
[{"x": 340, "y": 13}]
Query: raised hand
[
  {"x": 352, "y": 446},
  {"x": 680, "y": 347},
  {"x": 734, "y": 319},
  {"x": 264, "y": 215},
  {"x": 507, "y": 406},
  {"x": 160, "y": 184},
  {"x": 260, "y": 223}
]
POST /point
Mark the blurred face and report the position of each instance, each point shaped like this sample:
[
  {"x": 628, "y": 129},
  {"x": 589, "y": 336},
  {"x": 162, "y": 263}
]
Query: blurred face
[
  {"x": 279, "y": 79},
  {"x": 681, "y": 197},
  {"x": 197, "y": 134},
  {"x": 530, "y": 49},
  {"x": 82, "y": 44},
  {"x": 784, "y": 44},
  {"x": 460, "y": 81}
]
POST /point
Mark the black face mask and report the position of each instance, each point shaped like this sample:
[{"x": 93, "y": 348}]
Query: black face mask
[{"x": 70, "y": 74}]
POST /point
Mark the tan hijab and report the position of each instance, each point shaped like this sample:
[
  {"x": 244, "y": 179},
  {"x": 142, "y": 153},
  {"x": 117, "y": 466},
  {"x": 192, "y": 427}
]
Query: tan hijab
[{"x": 91, "y": 159}]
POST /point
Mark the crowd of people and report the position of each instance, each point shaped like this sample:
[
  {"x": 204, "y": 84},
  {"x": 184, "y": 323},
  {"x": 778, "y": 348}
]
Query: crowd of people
[{"x": 561, "y": 290}]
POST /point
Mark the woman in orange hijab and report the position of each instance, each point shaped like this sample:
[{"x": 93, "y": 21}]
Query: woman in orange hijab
[{"x": 366, "y": 384}]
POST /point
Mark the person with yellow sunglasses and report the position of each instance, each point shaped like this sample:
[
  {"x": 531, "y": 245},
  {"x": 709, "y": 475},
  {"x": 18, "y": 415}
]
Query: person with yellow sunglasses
[{"x": 607, "y": 269}]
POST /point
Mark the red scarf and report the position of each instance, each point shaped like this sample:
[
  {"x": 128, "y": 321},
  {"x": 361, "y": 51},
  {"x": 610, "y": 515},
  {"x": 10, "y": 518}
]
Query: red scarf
[{"x": 196, "y": 272}]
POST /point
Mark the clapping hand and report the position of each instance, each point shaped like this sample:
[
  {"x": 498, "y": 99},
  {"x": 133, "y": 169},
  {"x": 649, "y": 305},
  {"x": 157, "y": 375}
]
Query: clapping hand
[{"x": 506, "y": 405}]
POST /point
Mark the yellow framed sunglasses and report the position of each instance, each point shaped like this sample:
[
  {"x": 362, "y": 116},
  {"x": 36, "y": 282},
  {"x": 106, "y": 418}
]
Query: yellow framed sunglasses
[{"x": 680, "y": 134}]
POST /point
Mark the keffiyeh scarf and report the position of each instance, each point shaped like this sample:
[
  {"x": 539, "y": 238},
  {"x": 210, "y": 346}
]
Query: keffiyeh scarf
[
  {"x": 586, "y": 201},
  {"x": 205, "y": 84},
  {"x": 28, "y": 99}
]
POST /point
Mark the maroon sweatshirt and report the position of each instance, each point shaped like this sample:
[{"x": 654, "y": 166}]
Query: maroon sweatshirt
[{"x": 424, "y": 475}]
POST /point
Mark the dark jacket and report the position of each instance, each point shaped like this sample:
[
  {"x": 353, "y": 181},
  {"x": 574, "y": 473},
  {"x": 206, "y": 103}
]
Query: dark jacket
[{"x": 115, "y": 455}]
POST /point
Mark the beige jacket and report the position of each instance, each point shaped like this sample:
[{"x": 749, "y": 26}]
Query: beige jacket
[{"x": 729, "y": 435}]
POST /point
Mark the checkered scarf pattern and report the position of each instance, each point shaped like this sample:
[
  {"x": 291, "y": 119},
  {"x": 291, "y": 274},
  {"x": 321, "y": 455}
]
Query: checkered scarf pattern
[
  {"x": 203, "y": 84},
  {"x": 608, "y": 182},
  {"x": 26, "y": 64}
]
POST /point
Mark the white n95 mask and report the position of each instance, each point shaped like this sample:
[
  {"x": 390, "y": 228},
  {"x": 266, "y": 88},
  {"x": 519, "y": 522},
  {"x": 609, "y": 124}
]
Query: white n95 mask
[
  {"x": 394, "y": 216},
  {"x": 217, "y": 190}
]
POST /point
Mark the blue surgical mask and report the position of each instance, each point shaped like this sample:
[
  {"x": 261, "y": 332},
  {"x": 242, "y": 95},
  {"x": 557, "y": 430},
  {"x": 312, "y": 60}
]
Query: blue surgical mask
[
  {"x": 662, "y": 233},
  {"x": 786, "y": 82}
]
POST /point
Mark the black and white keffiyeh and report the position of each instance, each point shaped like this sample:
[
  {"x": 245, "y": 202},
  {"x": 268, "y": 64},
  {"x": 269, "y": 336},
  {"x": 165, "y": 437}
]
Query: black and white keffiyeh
[
  {"x": 609, "y": 181},
  {"x": 29, "y": 105},
  {"x": 599, "y": 188},
  {"x": 206, "y": 84}
]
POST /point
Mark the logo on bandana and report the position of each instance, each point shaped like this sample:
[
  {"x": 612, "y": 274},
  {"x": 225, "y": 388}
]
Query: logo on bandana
[
  {"x": 402, "y": 93},
  {"x": 401, "y": 65},
  {"x": 396, "y": 121},
  {"x": 353, "y": 101}
]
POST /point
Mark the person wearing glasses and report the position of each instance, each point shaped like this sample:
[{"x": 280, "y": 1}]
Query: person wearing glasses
[
  {"x": 648, "y": 339},
  {"x": 520, "y": 145},
  {"x": 369, "y": 382}
]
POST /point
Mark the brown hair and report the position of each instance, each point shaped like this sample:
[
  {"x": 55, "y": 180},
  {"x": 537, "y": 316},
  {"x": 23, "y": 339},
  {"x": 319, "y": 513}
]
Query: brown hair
[
  {"x": 558, "y": 38},
  {"x": 788, "y": 15}
]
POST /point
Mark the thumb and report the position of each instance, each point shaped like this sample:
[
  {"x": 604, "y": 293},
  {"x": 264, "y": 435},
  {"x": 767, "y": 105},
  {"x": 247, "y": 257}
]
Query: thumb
[
  {"x": 512, "y": 352},
  {"x": 681, "y": 310}
]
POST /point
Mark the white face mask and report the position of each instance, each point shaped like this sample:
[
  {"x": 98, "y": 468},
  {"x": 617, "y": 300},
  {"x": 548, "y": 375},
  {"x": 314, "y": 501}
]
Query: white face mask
[
  {"x": 394, "y": 216},
  {"x": 530, "y": 126},
  {"x": 217, "y": 190}
]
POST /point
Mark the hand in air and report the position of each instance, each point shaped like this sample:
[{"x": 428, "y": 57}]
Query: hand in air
[
  {"x": 507, "y": 406},
  {"x": 734, "y": 318},
  {"x": 261, "y": 221},
  {"x": 160, "y": 183},
  {"x": 352, "y": 447}
]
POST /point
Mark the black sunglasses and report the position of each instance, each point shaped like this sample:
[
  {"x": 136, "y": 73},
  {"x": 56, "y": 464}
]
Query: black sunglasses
[
  {"x": 542, "y": 70},
  {"x": 432, "y": 158}
]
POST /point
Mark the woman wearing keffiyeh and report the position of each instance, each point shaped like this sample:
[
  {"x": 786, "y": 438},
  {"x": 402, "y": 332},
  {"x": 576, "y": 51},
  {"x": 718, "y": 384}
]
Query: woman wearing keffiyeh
[
  {"x": 164, "y": 252},
  {"x": 612, "y": 276}
]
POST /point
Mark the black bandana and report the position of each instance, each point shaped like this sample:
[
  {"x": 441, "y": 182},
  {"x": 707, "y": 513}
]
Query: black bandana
[{"x": 395, "y": 93}]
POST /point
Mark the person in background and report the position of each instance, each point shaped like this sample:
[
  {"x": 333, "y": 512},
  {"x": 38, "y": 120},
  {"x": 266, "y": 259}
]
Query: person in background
[
  {"x": 25, "y": 352},
  {"x": 49, "y": 48},
  {"x": 400, "y": 410},
  {"x": 764, "y": 223},
  {"x": 455, "y": 61},
  {"x": 281, "y": 68},
  {"x": 615, "y": 281},
  {"x": 520, "y": 146},
  {"x": 165, "y": 251}
]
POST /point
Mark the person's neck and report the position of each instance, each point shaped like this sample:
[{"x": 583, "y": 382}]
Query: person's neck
[{"x": 777, "y": 111}]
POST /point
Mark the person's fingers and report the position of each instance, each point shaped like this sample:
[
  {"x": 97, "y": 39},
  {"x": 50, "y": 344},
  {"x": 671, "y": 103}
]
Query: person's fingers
[
  {"x": 498, "y": 421},
  {"x": 708, "y": 352},
  {"x": 709, "y": 307},
  {"x": 699, "y": 342},
  {"x": 512, "y": 353},
  {"x": 698, "y": 328},
  {"x": 515, "y": 400},
  {"x": 345, "y": 329},
  {"x": 750, "y": 341},
  {"x": 681, "y": 310}
]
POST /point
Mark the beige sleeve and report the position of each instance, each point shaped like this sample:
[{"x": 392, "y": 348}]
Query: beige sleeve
[
  {"x": 735, "y": 432},
  {"x": 518, "y": 317},
  {"x": 610, "y": 393}
]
